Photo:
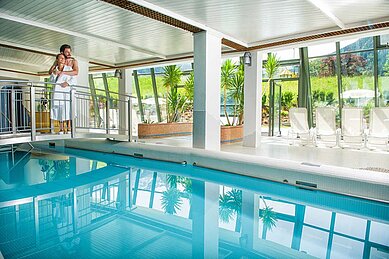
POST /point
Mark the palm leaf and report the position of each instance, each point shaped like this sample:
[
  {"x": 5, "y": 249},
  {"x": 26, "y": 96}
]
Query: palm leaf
[
  {"x": 171, "y": 201},
  {"x": 227, "y": 71},
  {"x": 272, "y": 64},
  {"x": 268, "y": 217},
  {"x": 225, "y": 211}
]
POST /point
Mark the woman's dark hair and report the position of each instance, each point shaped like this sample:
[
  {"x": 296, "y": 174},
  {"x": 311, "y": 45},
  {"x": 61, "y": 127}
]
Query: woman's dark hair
[
  {"x": 63, "y": 47},
  {"x": 56, "y": 57}
]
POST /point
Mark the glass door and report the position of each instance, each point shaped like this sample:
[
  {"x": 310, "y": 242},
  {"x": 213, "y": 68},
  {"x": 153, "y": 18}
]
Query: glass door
[{"x": 282, "y": 97}]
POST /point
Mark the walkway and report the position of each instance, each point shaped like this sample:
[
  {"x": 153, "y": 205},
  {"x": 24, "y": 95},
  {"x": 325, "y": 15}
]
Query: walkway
[{"x": 277, "y": 147}]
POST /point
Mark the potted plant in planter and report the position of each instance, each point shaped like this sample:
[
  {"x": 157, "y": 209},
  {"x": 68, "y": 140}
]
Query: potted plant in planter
[
  {"x": 176, "y": 104},
  {"x": 233, "y": 81}
]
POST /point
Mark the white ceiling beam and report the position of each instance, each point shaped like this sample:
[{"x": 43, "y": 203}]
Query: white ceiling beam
[
  {"x": 326, "y": 10},
  {"x": 80, "y": 35},
  {"x": 23, "y": 63},
  {"x": 49, "y": 52},
  {"x": 187, "y": 20}
]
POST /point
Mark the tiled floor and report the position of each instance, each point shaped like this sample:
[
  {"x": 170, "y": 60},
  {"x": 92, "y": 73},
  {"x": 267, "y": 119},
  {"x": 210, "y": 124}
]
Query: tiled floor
[{"x": 277, "y": 147}]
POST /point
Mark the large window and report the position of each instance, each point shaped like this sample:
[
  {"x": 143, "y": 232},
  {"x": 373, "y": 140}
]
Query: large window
[
  {"x": 383, "y": 77},
  {"x": 324, "y": 81},
  {"x": 358, "y": 80}
]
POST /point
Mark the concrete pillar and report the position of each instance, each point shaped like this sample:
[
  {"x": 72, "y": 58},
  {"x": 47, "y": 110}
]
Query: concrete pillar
[
  {"x": 253, "y": 101},
  {"x": 205, "y": 219},
  {"x": 125, "y": 88},
  {"x": 250, "y": 218},
  {"x": 82, "y": 106},
  {"x": 206, "y": 111}
]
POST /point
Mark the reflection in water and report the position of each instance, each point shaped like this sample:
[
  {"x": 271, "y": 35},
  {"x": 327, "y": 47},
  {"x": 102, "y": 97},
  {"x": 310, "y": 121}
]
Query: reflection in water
[
  {"x": 230, "y": 206},
  {"x": 146, "y": 213},
  {"x": 55, "y": 170}
]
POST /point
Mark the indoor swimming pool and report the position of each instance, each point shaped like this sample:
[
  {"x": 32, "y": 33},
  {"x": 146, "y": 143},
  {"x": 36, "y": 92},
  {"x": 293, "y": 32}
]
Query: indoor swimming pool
[{"x": 75, "y": 203}]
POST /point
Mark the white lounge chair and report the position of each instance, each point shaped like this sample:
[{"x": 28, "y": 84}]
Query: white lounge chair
[
  {"x": 299, "y": 130},
  {"x": 352, "y": 133},
  {"x": 378, "y": 133},
  {"x": 325, "y": 131}
]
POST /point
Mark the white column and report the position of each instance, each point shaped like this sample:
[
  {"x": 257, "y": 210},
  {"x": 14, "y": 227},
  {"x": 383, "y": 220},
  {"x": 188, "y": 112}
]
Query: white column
[
  {"x": 206, "y": 111},
  {"x": 250, "y": 218},
  {"x": 83, "y": 72},
  {"x": 82, "y": 106},
  {"x": 253, "y": 101},
  {"x": 205, "y": 219},
  {"x": 125, "y": 88}
]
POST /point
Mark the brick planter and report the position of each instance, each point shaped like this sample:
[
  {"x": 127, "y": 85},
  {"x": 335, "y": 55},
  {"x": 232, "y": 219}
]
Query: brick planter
[
  {"x": 162, "y": 130},
  {"x": 231, "y": 134}
]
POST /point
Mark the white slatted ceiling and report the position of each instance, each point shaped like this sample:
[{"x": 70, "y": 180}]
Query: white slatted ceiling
[
  {"x": 28, "y": 57},
  {"x": 45, "y": 39},
  {"x": 268, "y": 20},
  {"x": 106, "y": 21},
  {"x": 247, "y": 20},
  {"x": 359, "y": 11},
  {"x": 252, "y": 20}
]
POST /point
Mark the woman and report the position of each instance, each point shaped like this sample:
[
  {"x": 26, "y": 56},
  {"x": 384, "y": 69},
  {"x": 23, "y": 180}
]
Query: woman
[{"x": 60, "y": 110}]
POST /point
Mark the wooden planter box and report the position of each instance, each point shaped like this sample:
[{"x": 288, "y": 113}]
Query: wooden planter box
[
  {"x": 228, "y": 134},
  {"x": 231, "y": 134},
  {"x": 162, "y": 130},
  {"x": 42, "y": 120}
]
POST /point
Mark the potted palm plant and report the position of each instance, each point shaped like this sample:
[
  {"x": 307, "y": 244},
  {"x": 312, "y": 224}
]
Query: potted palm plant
[
  {"x": 176, "y": 104},
  {"x": 232, "y": 79}
]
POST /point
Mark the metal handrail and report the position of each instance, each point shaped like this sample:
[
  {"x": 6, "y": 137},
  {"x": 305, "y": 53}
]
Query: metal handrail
[
  {"x": 35, "y": 84},
  {"x": 18, "y": 111}
]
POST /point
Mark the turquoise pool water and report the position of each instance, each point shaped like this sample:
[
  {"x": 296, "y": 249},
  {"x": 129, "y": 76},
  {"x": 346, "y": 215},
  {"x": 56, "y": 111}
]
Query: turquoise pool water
[{"x": 87, "y": 204}]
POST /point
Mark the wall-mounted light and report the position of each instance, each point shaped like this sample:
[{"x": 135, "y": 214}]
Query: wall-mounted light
[
  {"x": 118, "y": 73},
  {"x": 247, "y": 58}
]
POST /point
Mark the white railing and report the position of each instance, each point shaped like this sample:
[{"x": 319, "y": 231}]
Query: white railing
[{"x": 28, "y": 110}]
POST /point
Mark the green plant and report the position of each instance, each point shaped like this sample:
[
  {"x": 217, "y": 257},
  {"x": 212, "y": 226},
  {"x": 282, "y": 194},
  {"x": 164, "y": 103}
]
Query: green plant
[
  {"x": 386, "y": 66},
  {"x": 237, "y": 94},
  {"x": 175, "y": 101},
  {"x": 189, "y": 89},
  {"x": 271, "y": 66},
  {"x": 287, "y": 99},
  {"x": 227, "y": 72}
]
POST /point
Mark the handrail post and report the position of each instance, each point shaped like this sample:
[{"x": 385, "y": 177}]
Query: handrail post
[
  {"x": 13, "y": 111},
  {"x": 32, "y": 111},
  {"x": 106, "y": 116},
  {"x": 73, "y": 112},
  {"x": 129, "y": 111}
]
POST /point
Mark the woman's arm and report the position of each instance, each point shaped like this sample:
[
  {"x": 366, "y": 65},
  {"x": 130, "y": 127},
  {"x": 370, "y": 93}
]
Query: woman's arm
[{"x": 52, "y": 68}]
